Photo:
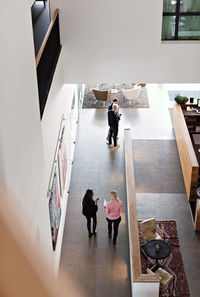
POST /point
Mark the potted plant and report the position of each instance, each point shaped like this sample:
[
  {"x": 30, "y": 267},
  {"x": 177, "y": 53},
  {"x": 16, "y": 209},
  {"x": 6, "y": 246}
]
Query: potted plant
[{"x": 180, "y": 99}]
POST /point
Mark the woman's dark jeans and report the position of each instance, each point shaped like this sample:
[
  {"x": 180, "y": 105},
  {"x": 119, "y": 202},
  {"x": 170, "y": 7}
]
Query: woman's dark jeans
[
  {"x": 89, "y": 223},
  {"x": 116, "y": 226}
]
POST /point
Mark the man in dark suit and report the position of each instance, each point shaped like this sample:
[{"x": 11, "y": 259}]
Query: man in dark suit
[
  {"x": 113, "y": 120},
  {"x": 114, "y": 101}
]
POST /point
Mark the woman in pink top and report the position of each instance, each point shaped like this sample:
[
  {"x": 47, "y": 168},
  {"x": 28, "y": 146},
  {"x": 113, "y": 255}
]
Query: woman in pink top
[{"x": 113, "y": 211}]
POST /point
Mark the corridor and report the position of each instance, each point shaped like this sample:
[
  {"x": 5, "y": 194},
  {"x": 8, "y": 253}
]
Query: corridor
[{"x": 100, "y": 268}]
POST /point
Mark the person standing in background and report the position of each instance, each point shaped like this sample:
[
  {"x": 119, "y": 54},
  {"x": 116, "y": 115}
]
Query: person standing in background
[
  {"x": 114, "y": 101},
  {"x": 113, "y": 120},
  {"x": 89, "y": 210},
  {"x": 113, "y": 211}
]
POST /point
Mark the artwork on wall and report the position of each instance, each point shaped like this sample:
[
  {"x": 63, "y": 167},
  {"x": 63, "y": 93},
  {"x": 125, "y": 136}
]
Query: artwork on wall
[
  {"x": 73, "y": 108},
  {"x": 62, "y": 159},
  {"x": 80, "y": 96},
  {"x": 54, "y": 207}
]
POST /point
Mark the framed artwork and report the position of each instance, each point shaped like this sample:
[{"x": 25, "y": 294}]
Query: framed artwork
[
  {"x": 54, "y": 207},
  {"x": 62, "y": 159},
  {"x": 73, "y": 100},
  {"x": 80, "y": 96}
]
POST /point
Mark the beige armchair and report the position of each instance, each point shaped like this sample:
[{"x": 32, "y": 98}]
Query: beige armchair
[
  {"x": 165, "y": 277},
  {"x": 149, "y": 230}
]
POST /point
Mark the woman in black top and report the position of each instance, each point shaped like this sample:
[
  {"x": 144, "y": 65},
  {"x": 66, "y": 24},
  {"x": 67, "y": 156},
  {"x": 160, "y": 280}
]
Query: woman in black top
[{"x": 90, "y": 208}]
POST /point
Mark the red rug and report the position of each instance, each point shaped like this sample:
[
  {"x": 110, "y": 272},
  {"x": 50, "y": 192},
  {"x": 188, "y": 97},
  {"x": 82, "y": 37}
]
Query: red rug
[{"x": 173, "y": 264}]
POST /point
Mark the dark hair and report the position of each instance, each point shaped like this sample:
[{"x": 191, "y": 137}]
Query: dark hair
[
  {"x": 115, "y": 100},
  {"x": 87, "y": 197}
]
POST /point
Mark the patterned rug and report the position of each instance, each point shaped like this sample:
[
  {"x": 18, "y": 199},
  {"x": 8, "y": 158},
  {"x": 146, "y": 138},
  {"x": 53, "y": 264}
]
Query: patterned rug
[
  {"x": 173, "y": 264},
  {"x": 90, "y": 101}
]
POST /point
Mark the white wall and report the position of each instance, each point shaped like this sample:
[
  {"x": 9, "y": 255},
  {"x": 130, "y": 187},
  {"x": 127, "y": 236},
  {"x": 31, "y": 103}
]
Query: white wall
[
  {"x": 117, "y": 41},
  {"x": 27, "y": 145},
  {"x": 21, "y": 140},
  {"x": 58, "y": 105},
  {"x": 20, "y": 133}
]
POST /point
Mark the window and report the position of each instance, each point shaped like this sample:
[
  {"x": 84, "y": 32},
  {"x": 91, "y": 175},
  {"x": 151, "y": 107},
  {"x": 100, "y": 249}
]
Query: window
[
  {"x": 40, "y": 20},
  {"x": 181, "y": 20}
]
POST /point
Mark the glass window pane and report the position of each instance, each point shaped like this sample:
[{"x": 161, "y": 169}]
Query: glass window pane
[
  {"x": 169, "y": 6},
  {"x": 189, "y": 27},
  {"x": 168, "y": 27},
  {"x": 190, "y": 6}
]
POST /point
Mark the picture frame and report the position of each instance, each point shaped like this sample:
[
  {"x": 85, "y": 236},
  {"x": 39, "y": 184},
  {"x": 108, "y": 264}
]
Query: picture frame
[
  {"x": 62, "y": 159},
  {"x": 55, "y": 206}
]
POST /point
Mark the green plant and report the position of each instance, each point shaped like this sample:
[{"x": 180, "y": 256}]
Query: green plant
[{"x": 180, "y": 99}]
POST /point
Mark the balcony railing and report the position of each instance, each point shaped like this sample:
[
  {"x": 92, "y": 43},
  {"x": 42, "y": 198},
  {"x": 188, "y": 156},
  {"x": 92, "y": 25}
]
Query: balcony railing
[{"x": 135, "y": 259}]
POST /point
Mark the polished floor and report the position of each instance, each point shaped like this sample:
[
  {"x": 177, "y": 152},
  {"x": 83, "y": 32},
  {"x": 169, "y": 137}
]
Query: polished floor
[
  {"x": 98, "y": 267},
  {"x": 157, "y": 166}
]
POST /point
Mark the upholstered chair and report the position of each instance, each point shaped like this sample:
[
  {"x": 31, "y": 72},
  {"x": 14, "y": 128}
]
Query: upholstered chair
[
  {"x": 100, "y": 95},
  {"x": 150, "y": 231},
  {"x": 132, "y": 94},
  {"x": 165, "y": 279}
]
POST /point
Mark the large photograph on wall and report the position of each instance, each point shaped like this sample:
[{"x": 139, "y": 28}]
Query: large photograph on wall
[
  {"x": 54, "y": 207},
  {"x": 62, "y": 159}
]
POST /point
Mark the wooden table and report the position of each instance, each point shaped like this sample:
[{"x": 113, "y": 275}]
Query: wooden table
[{"x": 191, "y": 113}]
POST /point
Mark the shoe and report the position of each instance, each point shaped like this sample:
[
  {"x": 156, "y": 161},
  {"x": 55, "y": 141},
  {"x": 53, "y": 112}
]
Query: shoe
[
  {"x": 114, "y": 241},
  {"x": 90, "y": 235},
  {"x": 107, "y": 141},
  {"x": 110, "y": 145},
  {"x": 109, "y": 235},
  {"x": 116, "y": 147},
  {"x": 94, "y": 233}
]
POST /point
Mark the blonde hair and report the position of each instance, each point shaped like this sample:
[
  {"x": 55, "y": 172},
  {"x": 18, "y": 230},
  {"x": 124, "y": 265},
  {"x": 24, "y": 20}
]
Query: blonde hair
[{"x": 115, "y": 195}]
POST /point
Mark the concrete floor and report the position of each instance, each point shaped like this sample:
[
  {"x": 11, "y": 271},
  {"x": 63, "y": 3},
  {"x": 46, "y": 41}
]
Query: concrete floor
[
  {"x": 157, "y": 166},
  {"x": 99, "y": 268}
]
